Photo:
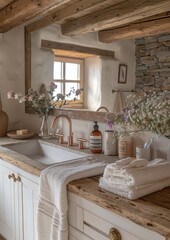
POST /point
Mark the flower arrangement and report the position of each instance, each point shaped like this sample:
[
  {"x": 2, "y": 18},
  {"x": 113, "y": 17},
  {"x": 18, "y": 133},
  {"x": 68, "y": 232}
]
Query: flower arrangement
[
  {"x": 43, "y": 102},
  {"x": 149, "y": 112}
]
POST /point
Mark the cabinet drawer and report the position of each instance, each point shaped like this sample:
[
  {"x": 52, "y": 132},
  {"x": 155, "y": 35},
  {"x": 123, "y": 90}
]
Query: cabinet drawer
[
  {"x": 99, "y": 228},
  {"x": 75, "y": 234},
  {"x": 96, "y": 222}
]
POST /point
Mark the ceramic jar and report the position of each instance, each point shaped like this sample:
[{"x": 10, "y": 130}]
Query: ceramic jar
[
  {"x": 125, "y": 148},
  {"x": 3, "y": 122},
  {"x": 110, "y": 143}
]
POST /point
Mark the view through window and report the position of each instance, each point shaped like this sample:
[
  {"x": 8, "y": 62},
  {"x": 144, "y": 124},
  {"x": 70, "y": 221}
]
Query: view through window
[{"x": 68, "y": 76}]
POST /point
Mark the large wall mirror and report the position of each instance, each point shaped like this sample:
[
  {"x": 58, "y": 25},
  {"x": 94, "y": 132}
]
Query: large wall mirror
[{"x": 41, "y": 45}]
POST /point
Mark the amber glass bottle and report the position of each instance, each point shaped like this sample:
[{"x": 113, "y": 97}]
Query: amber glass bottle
[{"x": 96, "y": 139}]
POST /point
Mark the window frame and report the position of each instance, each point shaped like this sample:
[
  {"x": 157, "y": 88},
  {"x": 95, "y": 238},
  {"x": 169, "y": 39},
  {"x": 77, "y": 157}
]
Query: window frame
[{"x": 77, "y": 103}]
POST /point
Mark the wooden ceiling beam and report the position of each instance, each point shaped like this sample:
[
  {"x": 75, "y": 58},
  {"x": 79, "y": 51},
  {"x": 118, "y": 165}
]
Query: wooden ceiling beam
[
  {"x": 114, "y": 16},
  {"x": 20, "y": 11},
  {"x": 137, "y": 29},
  {"x": 77, "y": 9}
]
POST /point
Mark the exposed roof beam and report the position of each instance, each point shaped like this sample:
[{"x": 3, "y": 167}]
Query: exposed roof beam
[
  {"x": 20, "y": 11},
  {"x": 138, "y": 29},
  {"x": 77, "y": 9},
  {"x": 114, "y": 16}
]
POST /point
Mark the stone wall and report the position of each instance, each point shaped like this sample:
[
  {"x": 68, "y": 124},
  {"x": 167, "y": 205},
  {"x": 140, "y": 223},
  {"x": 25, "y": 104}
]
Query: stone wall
[{"x": 153, "y": 61}]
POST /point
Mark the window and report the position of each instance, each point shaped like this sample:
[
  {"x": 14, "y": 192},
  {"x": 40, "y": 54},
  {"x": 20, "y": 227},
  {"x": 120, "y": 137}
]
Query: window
[{"x": 68, "y": 74}]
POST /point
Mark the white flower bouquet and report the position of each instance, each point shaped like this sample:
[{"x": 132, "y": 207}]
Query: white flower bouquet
[
  {"x": 149, "y": 112},
  {"x": 40, "y": 102},
  {"x": 44, "y": 103}
]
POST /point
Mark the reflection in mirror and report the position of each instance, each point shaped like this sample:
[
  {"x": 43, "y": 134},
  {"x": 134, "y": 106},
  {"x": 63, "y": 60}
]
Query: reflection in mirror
[
  {"x": 68, "y": 77},
  {"x": 100, "y": 71},
  {"x": 102, "y": 108},
  {"x": 91, "y": 69}
]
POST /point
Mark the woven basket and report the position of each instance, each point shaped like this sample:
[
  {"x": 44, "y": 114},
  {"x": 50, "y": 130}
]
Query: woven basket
[{"x": 3, "y": 122}]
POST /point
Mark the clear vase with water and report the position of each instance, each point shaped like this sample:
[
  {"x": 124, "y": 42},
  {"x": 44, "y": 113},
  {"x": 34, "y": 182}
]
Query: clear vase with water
[{"x": 44, "y": 130}]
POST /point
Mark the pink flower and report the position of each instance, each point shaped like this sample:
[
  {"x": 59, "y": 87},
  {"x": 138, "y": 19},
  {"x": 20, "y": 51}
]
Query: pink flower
[
  {"x": 41, "y": 96},
  {"x": 18, "y": 96},
  {"x": 22, "y": 99},
  {"x": 30, "y": 98},
  {"x": 10, "y": 94},
  {"x": 30, "y": 91},
  {"x": 53, "y": 86}
]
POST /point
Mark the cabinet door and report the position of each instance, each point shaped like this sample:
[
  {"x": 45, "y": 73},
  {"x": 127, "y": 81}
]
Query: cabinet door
[
  {"x": 9, "y": 201},
  {"x": 30, "y": 202}
]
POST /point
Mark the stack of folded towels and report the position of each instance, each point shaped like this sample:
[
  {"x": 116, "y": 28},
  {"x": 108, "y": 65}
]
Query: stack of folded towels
[{"x": 132, "y": 179}]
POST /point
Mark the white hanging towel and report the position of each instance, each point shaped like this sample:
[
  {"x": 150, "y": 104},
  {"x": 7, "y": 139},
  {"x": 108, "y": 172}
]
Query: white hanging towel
[
  {"x": 119, "y": 102},
  {"x": 52, "y": 208}
]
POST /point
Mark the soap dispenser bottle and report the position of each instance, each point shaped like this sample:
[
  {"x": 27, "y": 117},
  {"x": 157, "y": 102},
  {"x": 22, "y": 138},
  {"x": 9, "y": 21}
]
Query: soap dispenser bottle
[{"x": 96, "y": 139}]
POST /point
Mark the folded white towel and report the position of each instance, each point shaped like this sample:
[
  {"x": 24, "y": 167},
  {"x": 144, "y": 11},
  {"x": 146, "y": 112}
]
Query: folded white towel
[
  {"x": 132, "y": 193},
  {"x": 52, "y": 208},
  {"x": 124, "y": 161},
  {"x": 124, "y": 187},
  {"x": 141, "y": 175},
  {"x": 119, "y": 169},
  {"x": 136, "y": 164},
  {"x": 156, "y": 161}
]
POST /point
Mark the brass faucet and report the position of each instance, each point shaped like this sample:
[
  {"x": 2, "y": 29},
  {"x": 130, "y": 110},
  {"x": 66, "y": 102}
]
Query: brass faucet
[
  {"x": 70, "y": 137},
  {"x": 102, "y": 107}
]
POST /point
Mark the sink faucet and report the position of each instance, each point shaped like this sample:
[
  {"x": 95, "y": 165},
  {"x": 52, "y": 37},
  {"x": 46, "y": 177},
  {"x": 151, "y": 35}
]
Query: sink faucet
[
  {"x": 70, "y": 137},
  {"x": 102, "y": 107}
]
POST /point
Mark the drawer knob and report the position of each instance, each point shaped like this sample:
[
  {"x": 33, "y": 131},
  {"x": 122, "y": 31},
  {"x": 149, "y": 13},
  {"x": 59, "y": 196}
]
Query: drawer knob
[
  {"x": 114, "y": 234},
  {"x": 18, "y": 179},
  {"x": 15, "y": 179},
  {"x": 12, "y": 176}
]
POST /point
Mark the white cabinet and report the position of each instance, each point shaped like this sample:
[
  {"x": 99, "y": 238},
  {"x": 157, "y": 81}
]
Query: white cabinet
[
  {"x": 94, "y": 223},
  {"x": 7, "y": 205},
  {"x": 18, "y": 202},
  {"x": 30, "y": 202}
]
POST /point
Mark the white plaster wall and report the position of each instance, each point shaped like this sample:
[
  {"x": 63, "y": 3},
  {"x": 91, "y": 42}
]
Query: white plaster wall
[{"x": 12, "y": 73}]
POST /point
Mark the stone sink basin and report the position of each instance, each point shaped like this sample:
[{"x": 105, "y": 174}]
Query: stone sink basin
[{"x": 46, "y": 153}]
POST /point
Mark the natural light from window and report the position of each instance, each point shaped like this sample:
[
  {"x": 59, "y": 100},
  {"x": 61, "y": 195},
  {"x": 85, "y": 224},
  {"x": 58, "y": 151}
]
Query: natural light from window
[{"x": 68, "y": 74}]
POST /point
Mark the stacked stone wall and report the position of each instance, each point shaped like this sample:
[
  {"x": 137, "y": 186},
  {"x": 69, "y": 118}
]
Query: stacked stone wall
[{"x": 153, "y": 61}]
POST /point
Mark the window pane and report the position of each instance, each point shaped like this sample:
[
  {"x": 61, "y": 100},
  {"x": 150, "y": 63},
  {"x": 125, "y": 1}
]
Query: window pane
[
  {"x": 72, "y": 71},
  {"x": 59, "y": 89},
  {"x": 58, "y": 70},
  {"x": 68, "y": 87}
]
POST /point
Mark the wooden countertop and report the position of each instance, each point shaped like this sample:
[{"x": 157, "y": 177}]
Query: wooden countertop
[{"x": 151, "y": 211}]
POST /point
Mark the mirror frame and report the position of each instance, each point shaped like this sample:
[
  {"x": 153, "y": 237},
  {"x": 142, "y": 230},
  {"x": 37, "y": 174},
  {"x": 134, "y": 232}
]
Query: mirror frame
[{"x": 73, "y": 113}]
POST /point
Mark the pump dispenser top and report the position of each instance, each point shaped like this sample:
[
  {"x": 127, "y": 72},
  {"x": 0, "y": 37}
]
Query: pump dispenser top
[
  {"x": 96, "y": 139},
  {"x": 96, "y": 126}
]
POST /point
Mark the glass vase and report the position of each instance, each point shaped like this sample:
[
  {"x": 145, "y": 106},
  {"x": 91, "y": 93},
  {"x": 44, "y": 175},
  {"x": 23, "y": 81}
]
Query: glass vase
[{"x": 44, "y": 131}]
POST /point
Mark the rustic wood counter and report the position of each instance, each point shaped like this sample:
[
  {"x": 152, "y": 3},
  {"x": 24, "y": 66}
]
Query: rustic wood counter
[{"x": 151, "y": 211}]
